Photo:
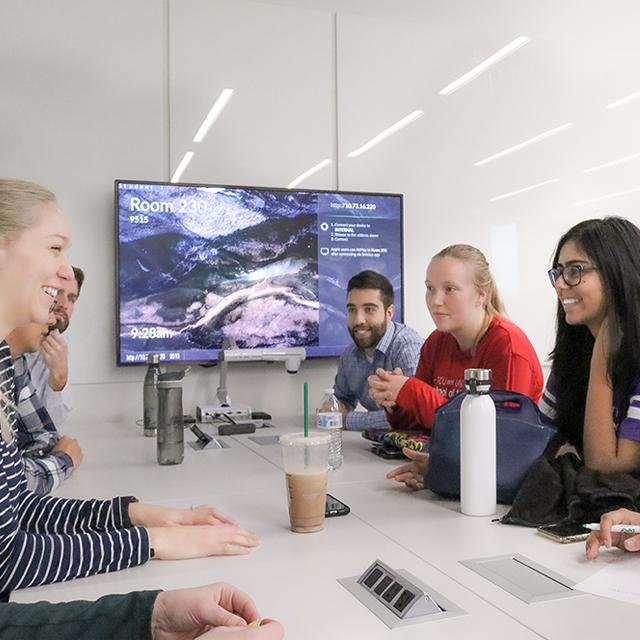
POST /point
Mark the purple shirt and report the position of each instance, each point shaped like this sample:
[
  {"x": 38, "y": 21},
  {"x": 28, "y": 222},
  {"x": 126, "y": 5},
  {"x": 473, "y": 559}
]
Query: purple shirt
[{"x": 629, "y": 426}]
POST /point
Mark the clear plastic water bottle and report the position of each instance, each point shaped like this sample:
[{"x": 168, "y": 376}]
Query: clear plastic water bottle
[
  {"x": 478, "y": 445},
  {"x": 329, "y": 419},
  {"x": 150, "y": 396}
]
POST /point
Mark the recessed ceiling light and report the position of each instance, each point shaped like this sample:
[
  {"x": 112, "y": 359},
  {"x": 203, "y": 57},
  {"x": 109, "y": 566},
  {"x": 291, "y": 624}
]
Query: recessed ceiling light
[
  {"x": 517, "y": 147},
  {"x": 184, "y": 163},
  {"x": 607, "y": 196},
  {"x": 529, "y": 188},
  {"x": 483, "y": 66},
  {"x": 414, "y": 115},
  {"x": 303, "y": 176},
  {"x": 213, "y": 114},
  {"x": 619, "y": 103}
]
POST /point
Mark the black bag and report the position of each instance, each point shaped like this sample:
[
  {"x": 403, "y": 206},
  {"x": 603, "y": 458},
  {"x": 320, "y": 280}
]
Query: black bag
[{"x": 523, "y": 434}]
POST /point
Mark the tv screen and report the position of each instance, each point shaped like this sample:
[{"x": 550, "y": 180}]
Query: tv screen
[{"x": 268, "y": 267}]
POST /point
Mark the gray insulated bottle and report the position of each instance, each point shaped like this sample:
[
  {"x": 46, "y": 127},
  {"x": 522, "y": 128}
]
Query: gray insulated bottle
[
  {"x": 170, "y": 418},
  {"x": 150, "y": 396}
]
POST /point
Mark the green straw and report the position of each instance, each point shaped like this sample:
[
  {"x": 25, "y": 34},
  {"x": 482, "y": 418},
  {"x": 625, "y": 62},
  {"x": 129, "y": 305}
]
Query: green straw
[{"x": 305, "y": 388}]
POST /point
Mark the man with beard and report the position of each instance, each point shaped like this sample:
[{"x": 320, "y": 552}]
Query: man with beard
[
  {"x": 48, "y": 459},
  {"x": 49, "y": 366},
  {"x": 379, "y": 342}
]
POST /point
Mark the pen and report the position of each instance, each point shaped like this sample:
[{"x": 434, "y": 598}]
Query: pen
[{"x": 616, "y": 528}]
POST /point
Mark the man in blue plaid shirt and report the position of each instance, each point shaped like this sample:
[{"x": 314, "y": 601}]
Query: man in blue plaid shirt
[
  {"x": 48, "y": 458},
  {"x": 378, "y": 342}
]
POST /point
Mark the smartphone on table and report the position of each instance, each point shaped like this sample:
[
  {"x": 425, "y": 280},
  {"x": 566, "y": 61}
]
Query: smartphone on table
[
  {"x": 333, "y": 507},
  {"x": 564, "y": 532},
  {"x": 387, "y": 452}
]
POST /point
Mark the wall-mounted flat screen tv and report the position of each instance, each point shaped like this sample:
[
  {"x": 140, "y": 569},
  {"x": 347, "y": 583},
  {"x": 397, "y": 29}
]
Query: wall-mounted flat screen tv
[{"x": 267, "y": 267}]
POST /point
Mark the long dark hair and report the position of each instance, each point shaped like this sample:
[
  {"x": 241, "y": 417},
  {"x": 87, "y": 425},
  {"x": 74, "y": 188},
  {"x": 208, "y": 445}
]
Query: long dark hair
[{"x": 613, "y": 246}]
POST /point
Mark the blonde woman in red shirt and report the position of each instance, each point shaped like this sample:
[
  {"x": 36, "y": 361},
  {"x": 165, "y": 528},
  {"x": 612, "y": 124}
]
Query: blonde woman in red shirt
[{"x": 471, "y": 332}]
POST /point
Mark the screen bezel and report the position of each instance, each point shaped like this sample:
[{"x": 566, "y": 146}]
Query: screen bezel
[{"x": 120, "y": 181}]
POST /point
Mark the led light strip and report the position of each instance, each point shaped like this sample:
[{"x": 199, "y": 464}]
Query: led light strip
[
  {"x": 619, "y": 103},
  {"x": 303, "y": 176},
  {"x": 483, "y": 66},
  {"x": 612, "y": 163},
  {"x": 213, "y": 114},
  {"x": 606, "y": 197},
  {"x": 184, "y": 163},
  {"x": 517, "y": 147},
  {"x": 529, "y": 188},
  {"x": 394, "y": 128}
]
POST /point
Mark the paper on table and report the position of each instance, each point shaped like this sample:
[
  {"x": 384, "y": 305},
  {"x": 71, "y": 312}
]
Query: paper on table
[{"x": 620, "y": 580}]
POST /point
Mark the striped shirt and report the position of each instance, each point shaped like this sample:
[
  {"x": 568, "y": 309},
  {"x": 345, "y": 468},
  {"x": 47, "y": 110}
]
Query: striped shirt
[
  {"x": 36, "y": 436},
  {"x": 399, "y": 347},
  {"x": 629, "y": 427},
  {"x": 44, "y": 539}
]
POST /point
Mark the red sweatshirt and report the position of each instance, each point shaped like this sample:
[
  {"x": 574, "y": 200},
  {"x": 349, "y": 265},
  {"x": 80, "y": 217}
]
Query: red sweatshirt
[{"x": 504, "y": 349}]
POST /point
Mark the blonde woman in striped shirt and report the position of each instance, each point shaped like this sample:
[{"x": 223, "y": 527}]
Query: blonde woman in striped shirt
[{"x": 46, "y": 539}]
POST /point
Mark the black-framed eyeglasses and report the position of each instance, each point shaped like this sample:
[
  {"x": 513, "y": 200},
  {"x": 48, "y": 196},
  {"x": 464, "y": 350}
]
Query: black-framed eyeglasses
[{"x": 571, "y": 274}]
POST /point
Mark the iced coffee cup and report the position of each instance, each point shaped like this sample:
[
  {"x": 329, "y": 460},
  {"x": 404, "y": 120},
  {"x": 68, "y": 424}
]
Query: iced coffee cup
[{"x": 305, "y": 466}]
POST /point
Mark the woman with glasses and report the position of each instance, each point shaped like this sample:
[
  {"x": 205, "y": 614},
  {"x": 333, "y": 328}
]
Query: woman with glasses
[
  {"x": 593, "y": 391},
  {"x": 471, "y": 332}
]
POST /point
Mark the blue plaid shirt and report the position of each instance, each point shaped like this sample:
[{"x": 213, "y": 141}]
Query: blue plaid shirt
[
  {"x": 36, "y": 435},
  {"x": 399, "y": 347}
]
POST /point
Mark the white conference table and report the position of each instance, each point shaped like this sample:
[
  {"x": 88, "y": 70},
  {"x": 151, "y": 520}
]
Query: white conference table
[
  {"x": 435, "y": 531},
  {"x": 292, "y": 577}
]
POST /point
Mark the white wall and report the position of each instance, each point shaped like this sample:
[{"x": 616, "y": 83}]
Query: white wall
[
  {"x": 582, "y": 56},
  {"x": 93, "y": 91}
]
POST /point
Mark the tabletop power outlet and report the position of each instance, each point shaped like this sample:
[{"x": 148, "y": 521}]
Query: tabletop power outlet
[
  {"x": 215, "y": 413},
  {"x": 398, "y": 598}
]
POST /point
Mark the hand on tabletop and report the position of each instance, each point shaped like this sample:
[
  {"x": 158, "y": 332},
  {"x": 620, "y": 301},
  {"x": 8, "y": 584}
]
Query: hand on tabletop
[
  {"x": 216, "y": 610},
  {"x": 606, "y": 538},
  {"x": 201, "y": 541},
  {"x": 411, "y": 473},
  {"x": 151, "y": 515},
  {"x": 384, "y": 386}
]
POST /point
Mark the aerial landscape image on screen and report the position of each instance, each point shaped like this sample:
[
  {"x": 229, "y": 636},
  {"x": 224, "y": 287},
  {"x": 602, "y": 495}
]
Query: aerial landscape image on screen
[{"x": 200, "y": 264}]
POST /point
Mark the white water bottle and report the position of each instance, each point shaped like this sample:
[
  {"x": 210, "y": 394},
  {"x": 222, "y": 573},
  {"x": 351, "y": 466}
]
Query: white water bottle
[
  {"x": 329, "y": 420},
  {"x": 478, "y": 446}
]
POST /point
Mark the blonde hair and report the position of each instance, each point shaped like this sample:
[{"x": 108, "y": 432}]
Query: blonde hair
[
  {"x": 19, "y": 200},
  {"x": 18, "y": 205},
  {"x": 483, "y": 278}
]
